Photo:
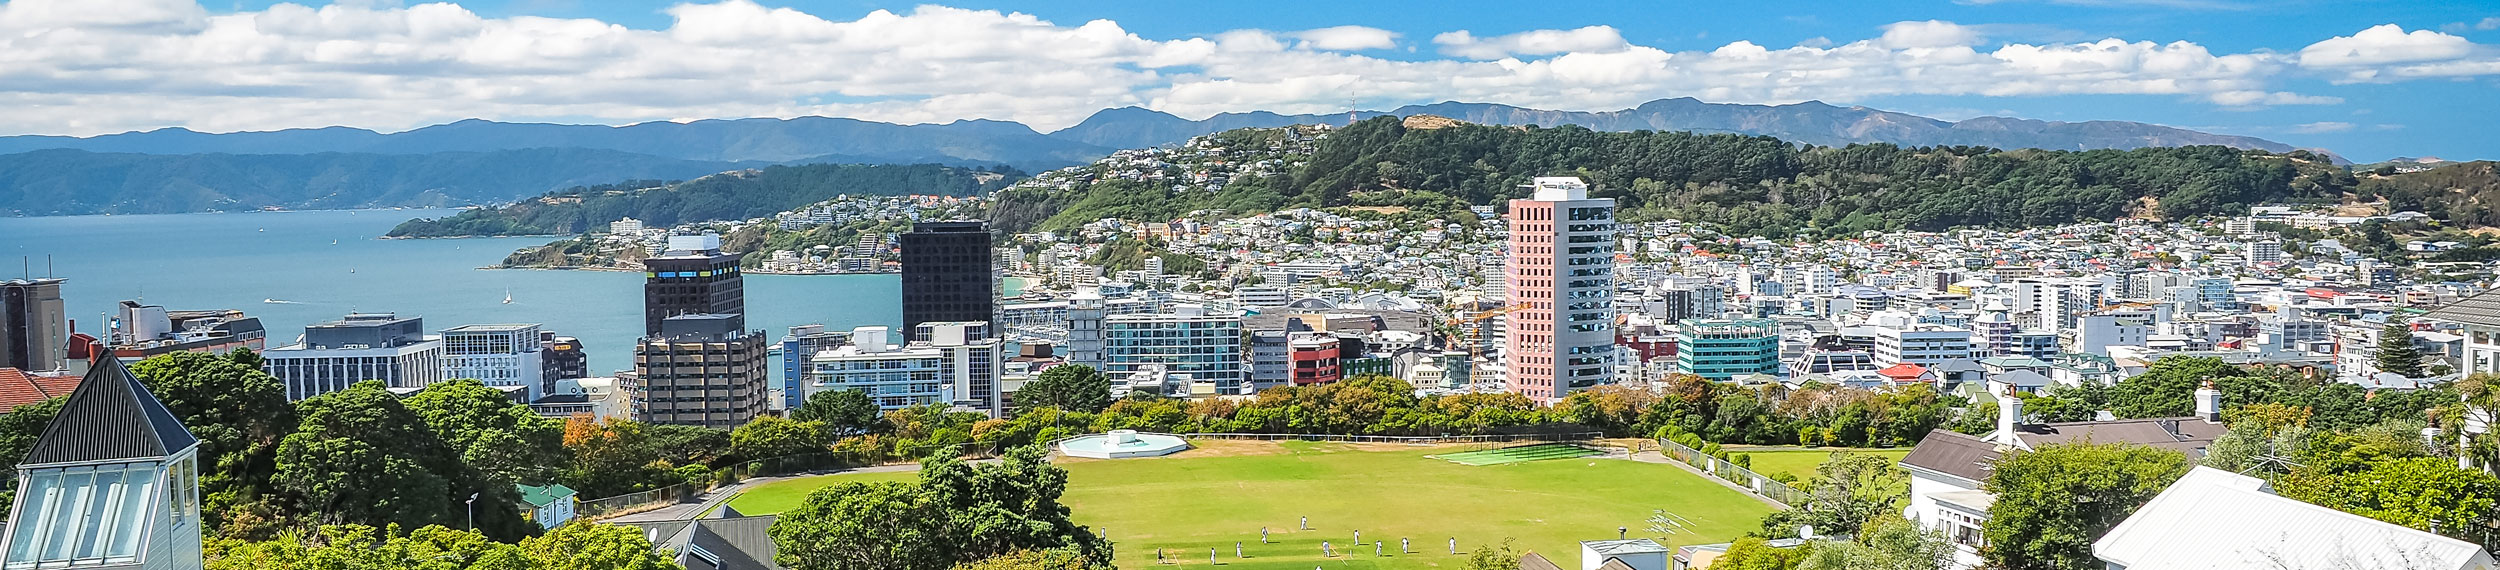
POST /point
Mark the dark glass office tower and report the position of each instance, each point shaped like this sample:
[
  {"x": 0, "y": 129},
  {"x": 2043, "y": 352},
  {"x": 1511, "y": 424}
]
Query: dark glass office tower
[
  {"x": 34, "y": 330},
  {"x": 692, "y": 277},
  {"x": 946, "y": 274}
]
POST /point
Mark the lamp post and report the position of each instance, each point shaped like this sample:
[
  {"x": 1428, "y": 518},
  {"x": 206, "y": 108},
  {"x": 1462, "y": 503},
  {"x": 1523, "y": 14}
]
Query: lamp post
[{"x": 473, "y": 511}]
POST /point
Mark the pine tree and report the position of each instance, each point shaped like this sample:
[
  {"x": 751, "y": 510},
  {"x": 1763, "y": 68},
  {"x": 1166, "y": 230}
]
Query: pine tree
[{"x": 2396, "y": 352}]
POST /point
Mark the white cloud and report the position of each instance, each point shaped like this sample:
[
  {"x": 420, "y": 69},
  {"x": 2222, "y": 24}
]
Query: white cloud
[
  {"x": 1928, "y": 34},
  {"x": 1534, "y": 42},
  {"x": 2491, "y": 23},
  {"x": 1348, "y": 38},
  {"x": 2322, "y": 127},
  {"x": 2384, "y": 44},
  {"x": 111, "y": 65}
]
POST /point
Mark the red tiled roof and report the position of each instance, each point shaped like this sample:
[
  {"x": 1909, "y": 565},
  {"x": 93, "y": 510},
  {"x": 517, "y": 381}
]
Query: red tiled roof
[
  {"x": 18, "y": 388},
  {"x": 1904, "y": 371}
]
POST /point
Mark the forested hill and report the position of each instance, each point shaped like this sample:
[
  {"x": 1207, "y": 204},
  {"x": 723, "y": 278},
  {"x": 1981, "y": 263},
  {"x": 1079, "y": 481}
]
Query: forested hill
[
  {"x": 733, "y": 195},
  {"x": 73, "y": 182},
  {"x": 2463, "y": 193},
  {"x": 1750, "y": 184}
]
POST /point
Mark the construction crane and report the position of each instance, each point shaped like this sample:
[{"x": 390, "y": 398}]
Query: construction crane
[{"x": 1476, "y": 323}]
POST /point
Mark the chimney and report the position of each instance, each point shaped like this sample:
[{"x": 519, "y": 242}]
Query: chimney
[
  {"x": 2009, "y": 416},
  {"x": 2209, "y": 403}
]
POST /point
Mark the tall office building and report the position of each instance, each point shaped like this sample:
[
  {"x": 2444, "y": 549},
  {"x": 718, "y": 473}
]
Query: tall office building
[
  {"x": 1562, "y": 265},
  {"x": 503, "y": 356},
  {"x": 946, "y": 274},
  {"x": 1190, "y": 341},
  {"x": 566, "y": 360},
  {"x": 702, "y": 370},
  {"x": 360, "y": 347},
  {"x": 34, "y": 328},
  {"x": 692, "y": 276}
]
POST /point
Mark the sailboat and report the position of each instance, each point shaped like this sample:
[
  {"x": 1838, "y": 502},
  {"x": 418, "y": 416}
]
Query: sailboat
[{"x": 507, "y": 295}]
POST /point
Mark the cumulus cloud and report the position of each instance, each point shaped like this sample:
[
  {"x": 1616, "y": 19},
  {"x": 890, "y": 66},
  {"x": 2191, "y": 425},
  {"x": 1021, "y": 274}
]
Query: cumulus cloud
[
  {"x": 2491, "y": 23},
  {"x": 2387, "y": 53},
  {"x": 1346, "y": 38},
  {"x": 1927, "y": 34},
  {"x": 1461, "y": 43},
  {"x": 95, "y": 66}
]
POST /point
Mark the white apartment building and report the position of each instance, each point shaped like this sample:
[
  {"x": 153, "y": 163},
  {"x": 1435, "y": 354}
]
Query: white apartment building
[
  {"x": 892, "y": 375},
  {"x": 503, "y": 356},
  {"x": 1190, "y": 340},
  {"x": 959, "y": 364},
  {"x": 1924, "y": 345},
  {"x": 360, "y": 347},
  {"x": 1262, "y": 296}
]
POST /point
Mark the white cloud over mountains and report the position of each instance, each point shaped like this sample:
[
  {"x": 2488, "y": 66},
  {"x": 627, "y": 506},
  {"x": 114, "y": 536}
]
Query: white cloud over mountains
[{"x": 96, "y": 66}]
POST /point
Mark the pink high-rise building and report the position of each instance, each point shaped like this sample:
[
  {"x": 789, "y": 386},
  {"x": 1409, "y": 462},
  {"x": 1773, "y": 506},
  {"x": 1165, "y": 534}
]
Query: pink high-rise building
[{"x": 1562, "y": 264}]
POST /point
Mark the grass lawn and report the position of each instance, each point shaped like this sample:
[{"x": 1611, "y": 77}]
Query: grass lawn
[
  {"x": 1225, "y": 491},
  {"x": 1801, "y": 461}
]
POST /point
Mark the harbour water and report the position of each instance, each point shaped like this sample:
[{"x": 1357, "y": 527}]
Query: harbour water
[{"x": 294, "y": 268}]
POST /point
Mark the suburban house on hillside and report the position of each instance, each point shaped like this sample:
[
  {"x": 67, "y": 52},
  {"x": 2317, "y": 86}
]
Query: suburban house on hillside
[
  {"x": 1948, "y": 468},
  {"x": 2217, "y": 520}
]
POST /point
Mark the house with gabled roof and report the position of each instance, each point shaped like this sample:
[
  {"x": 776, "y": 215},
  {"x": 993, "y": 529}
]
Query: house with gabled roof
[
  {"x": 112, "y": 484},
  {"x": 1949, "y": 469}
]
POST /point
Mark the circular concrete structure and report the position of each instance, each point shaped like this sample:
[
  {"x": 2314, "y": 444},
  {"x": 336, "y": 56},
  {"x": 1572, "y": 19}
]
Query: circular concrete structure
[{"x": 1122, "y": 444}]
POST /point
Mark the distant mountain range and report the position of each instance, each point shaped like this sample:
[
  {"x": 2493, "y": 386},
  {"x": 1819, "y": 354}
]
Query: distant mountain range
[
  {"x": 478, "y": 161},
  {"x": 1811, "y": 122}
]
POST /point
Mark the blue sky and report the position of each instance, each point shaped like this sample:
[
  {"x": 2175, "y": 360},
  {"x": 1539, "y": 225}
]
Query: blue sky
[{"x": 2232, "y": 66}]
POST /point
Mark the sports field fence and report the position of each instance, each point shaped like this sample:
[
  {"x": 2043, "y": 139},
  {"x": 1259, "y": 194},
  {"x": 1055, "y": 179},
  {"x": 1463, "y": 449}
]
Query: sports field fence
[{"x": 1724, "y": 470}]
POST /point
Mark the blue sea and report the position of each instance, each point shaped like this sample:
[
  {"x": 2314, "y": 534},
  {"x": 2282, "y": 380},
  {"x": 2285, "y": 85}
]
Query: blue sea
[{"x": 294, "y": 268}]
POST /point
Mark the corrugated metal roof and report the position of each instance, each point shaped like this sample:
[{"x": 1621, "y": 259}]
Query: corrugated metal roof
[
  {"x": 2481, "y": 309},
  {"x": 1953, "y": 453},
  {"x": 2216, "y": 520},
  {"x": 110, "y": 417}
]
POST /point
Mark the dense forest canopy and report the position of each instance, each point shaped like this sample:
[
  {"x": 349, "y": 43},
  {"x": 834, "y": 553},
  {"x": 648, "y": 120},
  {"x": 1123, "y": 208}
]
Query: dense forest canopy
[
  {"x": 1751, "y": 184},
  {"x": 734, "y": 195}
]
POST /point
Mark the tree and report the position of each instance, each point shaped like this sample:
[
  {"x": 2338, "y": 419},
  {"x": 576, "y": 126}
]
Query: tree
[
  {"x": 237, "y": 411},
  {"x": 361, "y": 457},
  {"x": 593, "y": 546},
  {"x": 1490, "y": 557},
  {"x": 2051, "y": 503},
  {"x": 771, "y": 436},
  {"x": 957, "y": 513},
  {"x": 19, "y": 428},
  {"x": 350, "y": 547},
  {"x": 1054, "y": 559},
  {"x": 2396, "y": 352},
  {"x": 846, "y": 412},
  {"x": 2424, "y": 493},
  {"x": 491, "y": 432},
  {"x": 1754, "y": 553},
  {"x": 885, "y": 525},
  {"x": 1846, "y": 492},
  {"x": 1891, "y": 544},
  {"x": 1071, "y": 387}
]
